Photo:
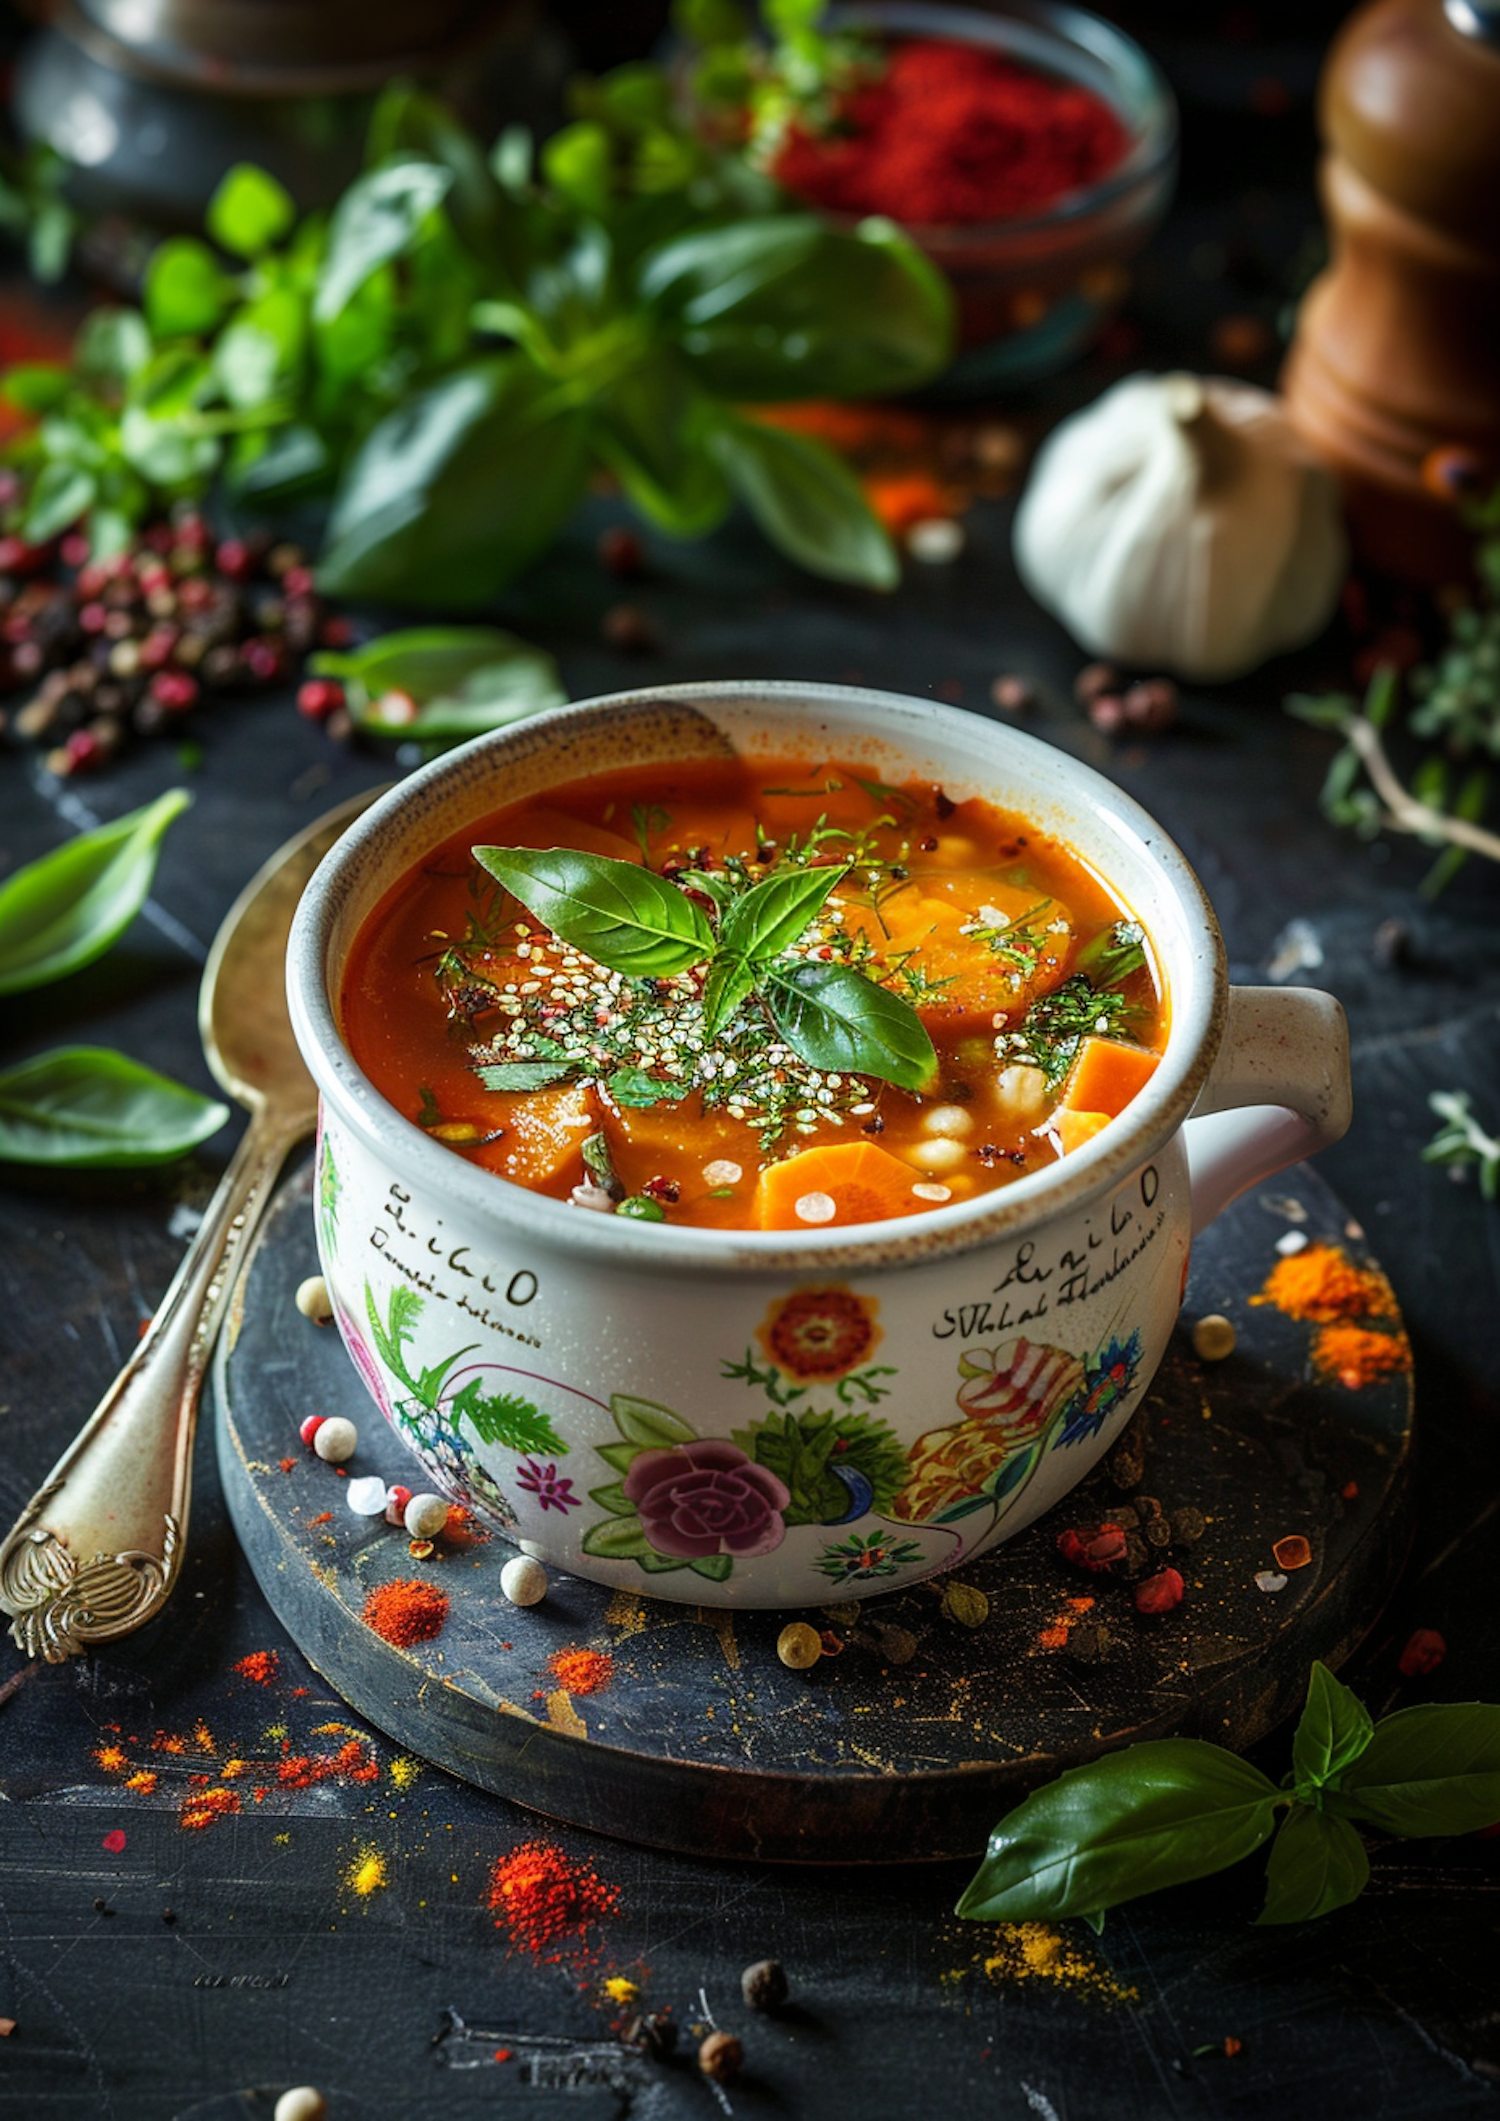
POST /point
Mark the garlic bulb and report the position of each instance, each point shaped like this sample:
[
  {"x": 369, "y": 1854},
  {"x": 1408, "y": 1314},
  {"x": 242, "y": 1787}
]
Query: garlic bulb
[{"x": 1178, "y": 522}]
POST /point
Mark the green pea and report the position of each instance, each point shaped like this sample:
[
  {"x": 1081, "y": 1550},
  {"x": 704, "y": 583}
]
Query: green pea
[{"x": 644, "y": 1211}]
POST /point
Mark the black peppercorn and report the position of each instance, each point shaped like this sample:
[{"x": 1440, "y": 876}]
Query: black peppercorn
[
  {"x": 721, "y": 2058},
  {"x": 764, "y": 1985}
]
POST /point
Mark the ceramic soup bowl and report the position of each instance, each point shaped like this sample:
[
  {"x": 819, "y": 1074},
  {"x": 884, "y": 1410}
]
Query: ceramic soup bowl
[{"x": 971, "y": 1363}]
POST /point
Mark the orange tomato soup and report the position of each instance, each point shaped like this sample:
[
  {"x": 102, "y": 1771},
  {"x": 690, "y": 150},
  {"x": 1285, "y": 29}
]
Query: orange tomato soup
[{"x": 521, "y": 1052}]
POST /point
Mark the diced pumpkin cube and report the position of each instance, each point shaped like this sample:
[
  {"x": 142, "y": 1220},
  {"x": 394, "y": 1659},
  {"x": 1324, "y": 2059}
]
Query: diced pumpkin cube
[
  {"x": 1106, "y": 1076},
  {"x": 848, "y": 1182},
  {"x": 544, "y": 1137},
  {"x": 1072, "y": 1129}
]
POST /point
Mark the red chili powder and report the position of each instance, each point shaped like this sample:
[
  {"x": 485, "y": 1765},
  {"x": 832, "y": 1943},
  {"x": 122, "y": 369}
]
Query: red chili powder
[
  {"x": 546, "y": 1900},
  {"x": 949, "y": 133},
  {"x": 353, "y": 1762},
  {"x": 260, "y": 1666},
  {"x": 200, "y": 1808},
  {"x": 582, "y": 1671},
  {"x": 406, "y": 1611}
]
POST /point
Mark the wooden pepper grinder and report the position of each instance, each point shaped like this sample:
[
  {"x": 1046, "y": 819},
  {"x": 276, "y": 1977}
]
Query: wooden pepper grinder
[{"x": 1397, "y": 347}]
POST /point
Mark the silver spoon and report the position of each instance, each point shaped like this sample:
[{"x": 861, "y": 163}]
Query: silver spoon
[{"x": 96, "y": 1551}]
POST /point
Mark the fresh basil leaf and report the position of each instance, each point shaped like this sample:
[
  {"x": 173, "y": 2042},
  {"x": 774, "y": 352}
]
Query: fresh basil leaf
[
  {"x": 62, "y": 493},
  {"x": 835, "y": 1018},
  {"x": 578, "y": 163},
  {"x": 185, "y": 293},
  {"x": 637, "y": 1091},
  {"x": 378, "y": 218},
  {"x": 64, "y": 910},
  {"x": 621, "y": 915},
  {"x": 35, "y": 386},
  {"x": 247, "y": 363},
  {"x": 713, "y": 886},
  {"x": 1156, "y": 1814},
  {"x": 85, "y": 1107},
  {"x": 456, "y": 491},
  {"x": 1335, "y": 1729},
  {"x": 409, "y": 119},
  {"x": 1428, "y": 1771},
  {"x": 524, "y": 1075},
  {"x": 249, "y": 211},
  {"x": 112, "y": 345},
  {"x": 166, "y": 453},
  {"x": 731, "y": 977},
  {"x": 464, "y": 679},
  {"x": 650, "y": 427},
  {"x": 289, "y": 461},
  {"x": 807, "y": 502},
  {"x": 771, "y": 916},
  {"x": 1317, "y": 1863},
  {"x": 710, "y": 22},
  {"x": 783, "y": 306}
]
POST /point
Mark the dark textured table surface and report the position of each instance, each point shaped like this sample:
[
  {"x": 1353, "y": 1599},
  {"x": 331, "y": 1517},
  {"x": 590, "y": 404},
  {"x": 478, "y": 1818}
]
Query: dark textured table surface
[{"x": 336, "y": 1932}]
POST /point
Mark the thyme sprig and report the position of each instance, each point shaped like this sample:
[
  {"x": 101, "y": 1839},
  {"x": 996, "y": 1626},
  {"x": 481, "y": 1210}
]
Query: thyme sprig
[
  {"x": 1454, "y": 709},
  {"x": 1462, "y": 1142}
]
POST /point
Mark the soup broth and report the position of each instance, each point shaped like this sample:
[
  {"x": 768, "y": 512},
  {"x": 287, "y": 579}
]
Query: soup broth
[{"x": 769, "y": 1084}]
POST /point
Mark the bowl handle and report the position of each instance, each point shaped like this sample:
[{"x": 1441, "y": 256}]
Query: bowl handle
[{"x": 1278, "y": 1091}]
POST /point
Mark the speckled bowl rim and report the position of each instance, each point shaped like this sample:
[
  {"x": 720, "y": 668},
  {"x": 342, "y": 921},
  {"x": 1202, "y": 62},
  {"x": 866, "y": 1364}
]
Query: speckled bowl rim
[{"x": 1195, "y": 975}]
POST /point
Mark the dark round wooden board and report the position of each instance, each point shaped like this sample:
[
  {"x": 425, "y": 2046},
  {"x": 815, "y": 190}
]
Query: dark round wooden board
[{"x": 914, "y": 1738}]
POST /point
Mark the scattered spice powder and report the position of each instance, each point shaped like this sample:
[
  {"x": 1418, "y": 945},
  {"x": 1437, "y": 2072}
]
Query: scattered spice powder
[
  {"x": 404, "y": 1771},
  {"x": 1033, "y": 1951},
  {"x": 144, "y": 1781},
  {"x": 201, "y": 1807},
  {"x": 546, "y": 1900},
  {"x": 261, "y": 1666},
  {"x": 582, "y": 1671},
  {"x": 406, "y": 1611},
  {"x": 112, "y": 1758},
  {"x": 1323, "y": 1284},
  {"x": 366, "y": 1872},
  {"x": 1360, "y": 1355}
]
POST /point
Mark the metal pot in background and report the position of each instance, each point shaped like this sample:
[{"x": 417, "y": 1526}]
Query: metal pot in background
[{"x": 151, "y": 101}]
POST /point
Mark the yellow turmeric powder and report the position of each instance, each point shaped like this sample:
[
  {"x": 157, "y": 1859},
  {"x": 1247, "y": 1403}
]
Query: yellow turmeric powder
[{"x": 1323, "y": 1284}]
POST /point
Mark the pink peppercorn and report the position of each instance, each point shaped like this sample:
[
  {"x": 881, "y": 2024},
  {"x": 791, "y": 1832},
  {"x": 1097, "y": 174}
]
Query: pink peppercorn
[
  {"x": 74, "y": 549},
  {"x": 175, "y": 690},
  {"x": 1095, "y": 1547},
  {"x": 310, "y": 1427},
  {"x": 84, "y": 750},
  {"x": 93, "y": 617},
  {"x": 335, "y": 633},
  {"x": 1424, "y": 1652},
  {"x": 158, "y": 646},
  {"x": 319, "y": 698},
  {"x": 261, "y": 659},
  {"x": 235, "y": 559},
  {"x": 395, "y": 709},
  {"x": 1159, "y": 1593},
  {"x": 297, "y": 582}
]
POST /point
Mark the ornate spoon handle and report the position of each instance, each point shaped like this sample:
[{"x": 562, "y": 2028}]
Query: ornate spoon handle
[{"x": 96, "y": 1551}]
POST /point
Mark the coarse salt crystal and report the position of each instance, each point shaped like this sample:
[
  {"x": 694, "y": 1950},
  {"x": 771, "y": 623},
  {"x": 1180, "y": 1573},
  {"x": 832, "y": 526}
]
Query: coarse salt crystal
[
  {"x": 366, "y": 1497},
  {"x": 1268, "y": 1580},
  {"x": 933, "y": 1192},
  {"x": 821, "y": 1207},
  {"x": 722, "y": 1172},
  {"x": 1294, "y": 1241}
]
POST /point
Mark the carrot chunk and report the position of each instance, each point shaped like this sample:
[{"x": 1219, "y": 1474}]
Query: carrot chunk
[
  {"x": 863, "y": 1184},
  {"x": 544, "y": 1136},
  {"x": 1073, "y": 1129},
  {"x": 1106, "y": 1076}
]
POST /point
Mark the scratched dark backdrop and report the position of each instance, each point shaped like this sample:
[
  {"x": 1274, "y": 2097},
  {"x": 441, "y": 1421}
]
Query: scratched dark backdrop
[{"x": 274, "y": 1970}]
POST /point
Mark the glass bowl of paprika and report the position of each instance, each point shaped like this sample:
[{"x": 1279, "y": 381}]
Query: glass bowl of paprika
[{"x": 1030, "y": 149}]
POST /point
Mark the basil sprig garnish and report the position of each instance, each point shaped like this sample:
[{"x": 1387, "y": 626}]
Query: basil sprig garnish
[
  {"x": 634, "y": 922},
  {"x": 1172, "y": 1809}
]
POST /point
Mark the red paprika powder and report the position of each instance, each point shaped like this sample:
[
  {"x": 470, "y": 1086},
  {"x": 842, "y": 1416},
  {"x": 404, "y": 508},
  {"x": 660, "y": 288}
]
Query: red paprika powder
[
  {"x": 950, "y": 133},
  {"x": 406, "y": 1611}
]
